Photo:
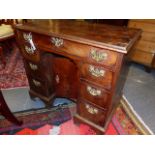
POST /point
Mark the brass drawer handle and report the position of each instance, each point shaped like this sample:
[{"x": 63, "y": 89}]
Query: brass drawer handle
[
  {"x": 57, "y": 41},
  {"x": 27, "y": 36},
  {"x": 96, "y": 71},
  {"x": 36, "y": 83},
  {"x": 33, "y": 66},
  {"x": 29, "y": 50},
  {"x": 91, "y": 109},
  {"x": 93, "y": 91},
  {"x": 98, "y": 56}
]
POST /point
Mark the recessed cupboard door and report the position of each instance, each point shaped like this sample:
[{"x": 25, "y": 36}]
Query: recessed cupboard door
[{"x": 65, "y": 77}]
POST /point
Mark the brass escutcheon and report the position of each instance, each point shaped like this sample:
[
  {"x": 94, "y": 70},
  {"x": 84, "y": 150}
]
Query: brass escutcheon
[
  {"x": 93, "y": 91},
  {"x": 36, "y": 83},
  {"x": 96, "y": 71},
  {"x": 91, "y": 109},
  {"x": 29, "y": 50},
  {"x": 33, "y": 66},
  {"x": 97, "y": 55},
  {"x": 57, "y": 41}
]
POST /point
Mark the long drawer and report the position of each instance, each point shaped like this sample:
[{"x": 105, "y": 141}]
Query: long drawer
[{"x": 92, "y": 54}]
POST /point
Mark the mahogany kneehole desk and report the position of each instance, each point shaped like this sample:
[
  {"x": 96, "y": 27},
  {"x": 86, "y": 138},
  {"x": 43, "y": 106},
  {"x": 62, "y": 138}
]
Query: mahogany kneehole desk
[{"x": 84, "y": 62}]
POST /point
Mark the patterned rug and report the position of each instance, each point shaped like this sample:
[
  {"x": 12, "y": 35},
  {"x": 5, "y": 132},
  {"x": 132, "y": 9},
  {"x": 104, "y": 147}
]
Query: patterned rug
[
  {"x": 59, "y": 122},
  {"x": 13, "y": 75}
]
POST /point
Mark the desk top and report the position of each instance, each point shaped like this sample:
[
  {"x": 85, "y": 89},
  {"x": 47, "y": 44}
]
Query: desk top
[{"x": 110, "y": 37}]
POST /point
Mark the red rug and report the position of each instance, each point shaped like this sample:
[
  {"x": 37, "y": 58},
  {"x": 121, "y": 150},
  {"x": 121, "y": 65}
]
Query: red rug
[
  {"x": 59, "y": 122},
  {"x": 13, "y": 75}
]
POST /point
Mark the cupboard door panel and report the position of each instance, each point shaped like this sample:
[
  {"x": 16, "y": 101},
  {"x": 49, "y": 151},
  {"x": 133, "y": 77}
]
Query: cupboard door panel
[{"x": 65, "y": 77}]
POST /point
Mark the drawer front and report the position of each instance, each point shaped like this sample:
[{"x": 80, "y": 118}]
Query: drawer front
[
  {"x": 29, "y": 52},
  {"x": 97, "y": 75},
  {"x": 25, "y": 36},
  {"x": 89, "y": 53},
  {"x": 91, "y": 113},
  {"x": 94, "y": 94},
  {"x": 38, "y": 85},
  {"x": 28, "y": 47},
  {"x": 33, "y": 68}
]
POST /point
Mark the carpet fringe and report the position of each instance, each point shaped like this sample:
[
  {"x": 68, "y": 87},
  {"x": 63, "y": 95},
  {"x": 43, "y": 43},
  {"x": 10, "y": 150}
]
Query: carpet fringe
[{"x": 14, "y": 88}]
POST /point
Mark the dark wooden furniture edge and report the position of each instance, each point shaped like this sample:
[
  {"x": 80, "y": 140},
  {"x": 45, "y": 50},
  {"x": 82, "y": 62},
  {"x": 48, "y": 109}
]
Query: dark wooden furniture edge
[{"x": 82, "y": 40}]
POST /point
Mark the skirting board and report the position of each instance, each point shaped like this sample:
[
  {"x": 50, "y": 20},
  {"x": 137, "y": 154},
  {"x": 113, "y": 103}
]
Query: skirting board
[{"x": 137, "y": 120}]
